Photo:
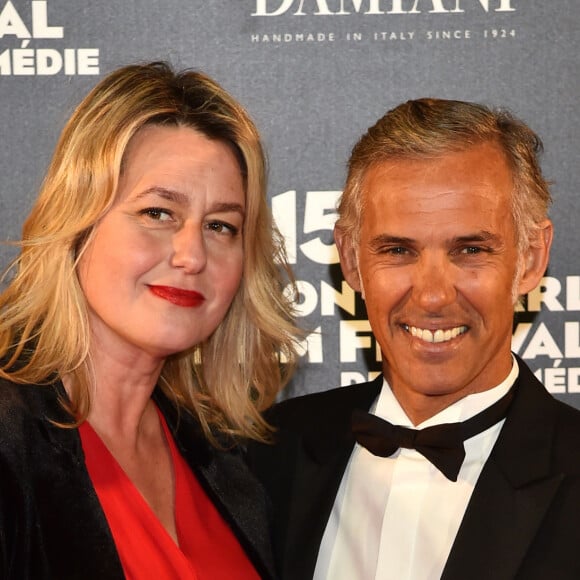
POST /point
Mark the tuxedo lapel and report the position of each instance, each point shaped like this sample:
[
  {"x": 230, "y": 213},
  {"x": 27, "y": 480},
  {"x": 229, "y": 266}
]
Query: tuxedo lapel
[
  {"x": 321, "y": 453},
  {"x": 513, "y": 493},
  {"x": 313, "y": 491}
]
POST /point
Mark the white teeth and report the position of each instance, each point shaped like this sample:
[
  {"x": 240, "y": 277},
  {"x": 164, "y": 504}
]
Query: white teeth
[{"x": 438, "y": 335}]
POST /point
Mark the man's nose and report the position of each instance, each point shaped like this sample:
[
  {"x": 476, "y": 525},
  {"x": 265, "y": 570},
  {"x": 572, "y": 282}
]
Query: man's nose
[
  {"x": 434, "y": 284},
  {"x": 189, "y": 249}
]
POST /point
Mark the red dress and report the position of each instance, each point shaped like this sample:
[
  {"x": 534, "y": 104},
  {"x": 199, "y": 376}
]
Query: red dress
[{"x": 207, "y": 550}]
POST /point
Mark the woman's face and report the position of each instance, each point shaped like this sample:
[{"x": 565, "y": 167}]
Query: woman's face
[{"x": 165, "y": 262}]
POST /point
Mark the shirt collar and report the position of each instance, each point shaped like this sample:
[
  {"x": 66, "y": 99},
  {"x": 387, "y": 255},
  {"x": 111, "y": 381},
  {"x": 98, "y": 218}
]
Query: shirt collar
[{"x": 387, "y": 406}]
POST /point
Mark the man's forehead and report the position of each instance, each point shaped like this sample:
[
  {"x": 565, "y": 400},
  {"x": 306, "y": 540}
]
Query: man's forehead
[
  {"x": 462, "y": 193},
  {"x": 482, "y": 163}
]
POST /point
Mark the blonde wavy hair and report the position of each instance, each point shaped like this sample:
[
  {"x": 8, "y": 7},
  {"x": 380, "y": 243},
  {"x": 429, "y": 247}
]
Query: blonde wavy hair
[
  {"x": 44, "y": 332},
  {"x": 429, "y": 128}
]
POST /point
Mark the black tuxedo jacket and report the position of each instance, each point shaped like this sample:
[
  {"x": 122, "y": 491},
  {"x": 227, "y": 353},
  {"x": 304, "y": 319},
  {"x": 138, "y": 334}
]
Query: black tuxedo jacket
[
  {"x": 52, "y": 525},
  {"x": 523, "y": 519}
]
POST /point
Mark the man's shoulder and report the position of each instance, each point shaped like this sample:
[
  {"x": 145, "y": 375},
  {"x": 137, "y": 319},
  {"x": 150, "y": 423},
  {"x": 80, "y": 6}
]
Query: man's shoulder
[
  {"x": 543, "y": 420},
  {"x": 567, "y": 417},
  {"x": 313, "y": 408},
  {"x": 567, "y": 426},
  {"x": 567, "y": 413}
]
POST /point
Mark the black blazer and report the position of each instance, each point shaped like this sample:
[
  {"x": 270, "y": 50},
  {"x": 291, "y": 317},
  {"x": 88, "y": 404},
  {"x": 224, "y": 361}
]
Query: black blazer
[
  {"x": 52, "y": 525},
  {"x": 523, "y": 519}
]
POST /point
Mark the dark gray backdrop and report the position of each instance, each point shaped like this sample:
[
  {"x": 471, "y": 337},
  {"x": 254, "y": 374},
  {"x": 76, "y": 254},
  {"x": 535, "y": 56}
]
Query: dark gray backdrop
[{"x": 315, "y": 74}]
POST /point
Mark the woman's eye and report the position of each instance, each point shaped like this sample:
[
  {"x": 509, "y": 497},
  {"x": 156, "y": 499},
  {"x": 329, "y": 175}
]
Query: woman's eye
[
  {"x": 222, "y": 228},
  {"x": 157, "y": 214}
]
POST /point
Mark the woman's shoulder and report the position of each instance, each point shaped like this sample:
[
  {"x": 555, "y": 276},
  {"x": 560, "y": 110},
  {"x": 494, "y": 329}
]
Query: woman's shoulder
[
  {"x": 14, "y": 398},
  {"x": 19, "y": 403},
  {"x": 28, "y": 435}
]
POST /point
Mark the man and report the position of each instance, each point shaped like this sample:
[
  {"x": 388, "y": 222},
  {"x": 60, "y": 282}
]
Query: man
[{"x": 442, "y": 227}]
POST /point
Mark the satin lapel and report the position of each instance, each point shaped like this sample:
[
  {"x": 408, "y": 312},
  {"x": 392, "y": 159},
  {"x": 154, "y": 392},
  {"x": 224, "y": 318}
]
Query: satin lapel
[
  {"x": 513, "y": 493},
  {"x": 321, "y": 458},
  {"x": 313, "y": 492},
  {"x": 227, "y": 481}
]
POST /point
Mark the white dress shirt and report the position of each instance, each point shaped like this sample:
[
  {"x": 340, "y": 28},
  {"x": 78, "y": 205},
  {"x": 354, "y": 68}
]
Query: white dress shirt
[{"x": 396, "y": 518}]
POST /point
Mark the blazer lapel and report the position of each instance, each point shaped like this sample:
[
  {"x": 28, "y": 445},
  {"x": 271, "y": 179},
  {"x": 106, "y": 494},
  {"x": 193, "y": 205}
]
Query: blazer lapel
[
  {"x": 513, "y": 492},
  {"x": 228, "y": 482},
  {"x": 321, "y": 458}
]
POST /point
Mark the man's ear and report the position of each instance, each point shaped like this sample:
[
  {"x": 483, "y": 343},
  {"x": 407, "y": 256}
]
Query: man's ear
[
  {"x": 348, "y": 259},
  {"x": 536, "y": 258}
]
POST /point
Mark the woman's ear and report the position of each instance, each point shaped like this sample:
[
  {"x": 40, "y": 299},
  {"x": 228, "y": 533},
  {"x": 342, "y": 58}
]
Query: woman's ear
[
  {"x": 348, "y": 259},
  {"x": 536, "y": 258}
]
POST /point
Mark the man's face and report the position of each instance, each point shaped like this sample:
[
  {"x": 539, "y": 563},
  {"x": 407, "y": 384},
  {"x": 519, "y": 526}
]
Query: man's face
[{"x": 437, "y": 265}]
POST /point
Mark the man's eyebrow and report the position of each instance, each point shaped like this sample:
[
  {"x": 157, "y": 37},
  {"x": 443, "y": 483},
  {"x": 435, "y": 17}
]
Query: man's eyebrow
[
  {"x": 482, "y": 236},
  {"x": 390, "y": 240},
  {"x": 386, "y": 239}
]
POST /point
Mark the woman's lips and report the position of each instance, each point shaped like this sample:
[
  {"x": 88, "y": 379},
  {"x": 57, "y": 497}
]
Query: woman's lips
[{"x": 178, "y": 296}]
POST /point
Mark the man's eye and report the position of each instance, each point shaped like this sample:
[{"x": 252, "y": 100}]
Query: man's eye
[
  {"x": 157, "y": 214},
  {"x": 472, "y": 250},
  {"x": 397, "y": 251}
]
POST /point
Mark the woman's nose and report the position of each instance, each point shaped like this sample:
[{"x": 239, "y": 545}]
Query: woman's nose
[{"x": 189, "y": 251}]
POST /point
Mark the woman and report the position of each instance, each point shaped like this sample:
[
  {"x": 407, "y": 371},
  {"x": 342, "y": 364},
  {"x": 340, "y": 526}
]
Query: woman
[{"x": 141, "y": 335}]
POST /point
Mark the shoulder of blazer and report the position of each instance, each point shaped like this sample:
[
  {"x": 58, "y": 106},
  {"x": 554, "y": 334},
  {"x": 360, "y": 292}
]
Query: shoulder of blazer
[
  {"x": 540, "y": 436},
  {"x": 51, "y": 522},
  {"x": 319, "y": 422},
  {"x": 313, "y": 411},
  {"x": 28, "y": 413},
  {"x": 546, "y": 430}
]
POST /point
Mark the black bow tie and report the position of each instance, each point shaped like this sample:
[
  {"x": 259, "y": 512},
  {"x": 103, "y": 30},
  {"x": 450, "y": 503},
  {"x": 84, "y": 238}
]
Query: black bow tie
[{"x": 442, "y": 444}]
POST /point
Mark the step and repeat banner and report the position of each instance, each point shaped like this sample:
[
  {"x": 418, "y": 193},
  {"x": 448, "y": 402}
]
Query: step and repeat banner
[{"x": 314, "y": 74}]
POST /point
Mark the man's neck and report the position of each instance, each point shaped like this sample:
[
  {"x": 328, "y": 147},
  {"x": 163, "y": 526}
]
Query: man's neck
[{"x": 420, "y": 407}]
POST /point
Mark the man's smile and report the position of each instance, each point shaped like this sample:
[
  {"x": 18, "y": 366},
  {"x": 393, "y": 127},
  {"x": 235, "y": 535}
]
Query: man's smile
[{"x": 438, "y": 335}]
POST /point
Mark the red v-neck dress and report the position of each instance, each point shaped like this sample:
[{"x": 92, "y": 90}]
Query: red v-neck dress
[{"x": 208, "y": 549}]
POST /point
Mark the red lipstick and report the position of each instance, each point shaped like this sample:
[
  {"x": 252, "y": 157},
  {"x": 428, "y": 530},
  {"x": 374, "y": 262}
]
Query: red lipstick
[{"x": 178, "y": 296}]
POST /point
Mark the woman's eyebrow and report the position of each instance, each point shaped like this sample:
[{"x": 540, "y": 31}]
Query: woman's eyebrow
[{"x": 165, "y": 193}]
